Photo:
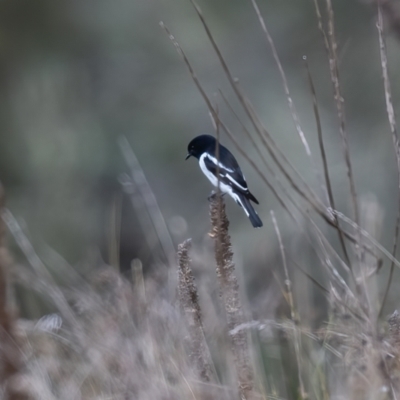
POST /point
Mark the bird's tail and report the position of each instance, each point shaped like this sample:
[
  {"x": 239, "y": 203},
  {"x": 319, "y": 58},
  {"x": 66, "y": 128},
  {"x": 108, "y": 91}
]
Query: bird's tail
[{"x": 250, "y": 211}]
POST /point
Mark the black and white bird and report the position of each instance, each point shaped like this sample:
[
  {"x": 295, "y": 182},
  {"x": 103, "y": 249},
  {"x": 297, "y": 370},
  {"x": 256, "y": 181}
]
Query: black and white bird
[{"x": 231, "y": 178}]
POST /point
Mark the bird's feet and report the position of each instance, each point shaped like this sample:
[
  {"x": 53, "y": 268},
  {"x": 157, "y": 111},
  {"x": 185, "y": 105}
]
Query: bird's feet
[{"x": 214, "y": 194}]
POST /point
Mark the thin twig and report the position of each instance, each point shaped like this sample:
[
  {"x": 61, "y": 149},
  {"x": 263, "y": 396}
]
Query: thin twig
[
  {"x": 285, "y": 85},
  {"x": 292, "y": 108},
  {"x": 149, "y": 199},
  {"x": 331, "y": 200},
  {"x": 334, "y": 71},
  {"x": 395, "y": 139},
  {"x": 366, "y": 235},
  {"x": 295, "y": 321},
  {"x": 40, "y": 270},
  {"x": 339, "y": 101}
]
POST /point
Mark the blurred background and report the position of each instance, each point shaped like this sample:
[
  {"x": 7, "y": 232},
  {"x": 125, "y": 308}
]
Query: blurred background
[{"x": 75, "y": 76}]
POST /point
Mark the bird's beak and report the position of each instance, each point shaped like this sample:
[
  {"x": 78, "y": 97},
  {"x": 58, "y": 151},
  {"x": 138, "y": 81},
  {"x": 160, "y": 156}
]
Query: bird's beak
[{"x": 188, "y": 155}]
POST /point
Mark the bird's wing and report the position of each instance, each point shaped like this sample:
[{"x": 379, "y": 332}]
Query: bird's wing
[
  {"x": 228, "y": 174},
  {"x": 229, "y": 171}
]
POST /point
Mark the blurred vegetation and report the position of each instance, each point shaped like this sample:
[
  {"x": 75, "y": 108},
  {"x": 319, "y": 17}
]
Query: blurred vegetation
[{"x": 76, "y": 77}]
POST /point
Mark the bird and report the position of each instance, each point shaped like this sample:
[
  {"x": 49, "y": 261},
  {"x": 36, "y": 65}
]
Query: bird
[{"x": 231, "y": 178}]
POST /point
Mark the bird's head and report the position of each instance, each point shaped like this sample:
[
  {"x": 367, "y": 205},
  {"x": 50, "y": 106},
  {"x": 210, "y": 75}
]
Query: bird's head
[{"x": 199, "y": 145}]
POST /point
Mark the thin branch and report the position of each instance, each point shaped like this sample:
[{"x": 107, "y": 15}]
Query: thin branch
[
  {"x": 324, "y": 160},
  {"x": 334, "y": 71},
  {"x": 366, "y": 235},
  {"x": 149, "y": 199},
  {"x": 284, "y": 81},
  {"x": 41, "y": 271},
  {"x": 294, "y": 319},
  {"x": 339, "y": 100},
  {"x": 395, "y": 139}
]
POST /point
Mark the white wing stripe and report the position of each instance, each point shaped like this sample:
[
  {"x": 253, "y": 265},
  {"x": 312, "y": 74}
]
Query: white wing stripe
[
  {"x": 238, "y": 200},
  {"x": 235, "y": 183},
  {"x": 215, "y": 161}
]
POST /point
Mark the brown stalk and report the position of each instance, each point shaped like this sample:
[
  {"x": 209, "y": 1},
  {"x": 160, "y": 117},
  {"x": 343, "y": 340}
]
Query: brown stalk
[
  {"x": 334, "y": 72},
  {"x": 331, "y": 48},
  {"x": 395, "y": 139},
  {"x": 189, "y": 302},
  {"x": 294, "y": 318},
  {"x": 230, "y": 293},
  {"x": 324, "y": 160}
]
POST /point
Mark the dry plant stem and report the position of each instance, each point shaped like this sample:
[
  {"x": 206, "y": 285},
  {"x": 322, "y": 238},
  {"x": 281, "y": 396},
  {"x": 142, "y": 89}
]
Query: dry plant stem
[
  {"x": 263, "y": 159},
  {"x": 333, "y": 62},
  {"x": 258, "y": 151},
  {"x": 189, "y": 302},
  {"x": 149, "y": 199},
  {"x": 334, "y": 72},
  {"x": 292, "y": 107},
  {"x": 326, "y": 292},
  {"x": 217, "y": 124},
  {"x": 288, "y": 285},
  {"x": 279, "y": 183},
  {"x": 41, "y": 271},
  {"x": 230, "y": 293},
  {"x": 9, "y": 352},
  {"x": 140, "y": 208},
  {"x": 395, "y": 139},
  {"x": 334, "y": 273},
  {"x": 246, "y": 131},
  {"x": 331, "y": 200},
  {"x": 295, "y": 204},
  {"x": 366, "y": 235},
  {"x": 321, "y": 27}
]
